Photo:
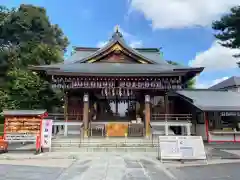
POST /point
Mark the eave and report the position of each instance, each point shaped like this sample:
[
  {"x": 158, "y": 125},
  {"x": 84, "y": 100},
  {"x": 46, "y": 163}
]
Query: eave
[
  {"x": 56, "y": 70},
  {"x": 189, "y": 74}
]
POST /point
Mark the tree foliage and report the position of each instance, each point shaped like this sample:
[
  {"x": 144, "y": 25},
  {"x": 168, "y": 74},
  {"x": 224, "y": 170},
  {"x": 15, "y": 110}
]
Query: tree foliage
[
  {"x": 191, "y": 83},
  {"x": 28, "y": 38},
  {"x": 228, "y": 29}
]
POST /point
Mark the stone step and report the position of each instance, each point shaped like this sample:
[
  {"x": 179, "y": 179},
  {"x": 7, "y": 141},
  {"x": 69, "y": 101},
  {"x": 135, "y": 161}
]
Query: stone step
[
  {"x": 100, "y": 141},
  {"x": 103, "y": 141},
  {"x": 104, "y": 149},
  {"x": 100, "y": 145},
  {"x": 103, "y": 144}
]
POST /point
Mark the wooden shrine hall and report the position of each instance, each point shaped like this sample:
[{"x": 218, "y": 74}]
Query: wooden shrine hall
[{"x": 118, "y": 90}]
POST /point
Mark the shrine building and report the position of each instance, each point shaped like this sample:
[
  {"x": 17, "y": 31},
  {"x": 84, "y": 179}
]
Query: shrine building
[{"x": 119, "y": 91}]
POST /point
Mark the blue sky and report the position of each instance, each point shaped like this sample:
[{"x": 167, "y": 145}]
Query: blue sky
[{"x": 180, "y": 28}]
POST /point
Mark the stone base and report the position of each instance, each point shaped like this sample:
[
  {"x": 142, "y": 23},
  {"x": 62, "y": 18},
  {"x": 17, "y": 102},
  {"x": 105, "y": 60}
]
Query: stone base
[{"x": 85, "y": 134}]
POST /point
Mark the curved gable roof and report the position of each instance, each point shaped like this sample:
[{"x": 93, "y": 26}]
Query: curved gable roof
[
  {"x": 117, "y": 39},
  {"x": 81, "y": 53}
]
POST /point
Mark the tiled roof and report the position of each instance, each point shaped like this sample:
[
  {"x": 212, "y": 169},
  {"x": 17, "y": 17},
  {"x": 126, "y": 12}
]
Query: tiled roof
[
  {"x": 155, "y": 65},
  {"x": 81, "y": 54},
  {"x": 230, "y": 82},
  {"x": 23, "y": 112},
  {"x": 116, "y": 68}
]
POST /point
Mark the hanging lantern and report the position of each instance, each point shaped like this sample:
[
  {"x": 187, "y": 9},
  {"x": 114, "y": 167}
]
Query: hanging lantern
[
  {"x": 106, "y": 93},
  {"x": 113, "y": 92},
  {"x": 85, "y": 98},
  {"x": 147, "y": 98},
  {"x": 120, "y": 92}
]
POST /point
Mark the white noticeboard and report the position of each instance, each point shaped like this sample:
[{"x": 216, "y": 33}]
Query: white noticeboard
[
  {"x": 46, "y": 139},
  {"x": 181, "y": 147},
  {"x": 168, "y": 147},
  {"x": 20, "y": 137}
]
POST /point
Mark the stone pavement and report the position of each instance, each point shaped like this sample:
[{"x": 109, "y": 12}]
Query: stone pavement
[
  {"x": 111, "y": 166},
  {"x": 18, "y": 172},
  {"x": 116, "y": 168},
  {"x": 98, "y": 167},
  {"x": 209, "y": 172}
]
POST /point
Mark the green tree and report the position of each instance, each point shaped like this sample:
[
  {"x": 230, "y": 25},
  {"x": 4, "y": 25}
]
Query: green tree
[
  {"x": 28, "y": 38},
  {"x": 191, "y": 83},
  {"x": 228, "y": 29}
]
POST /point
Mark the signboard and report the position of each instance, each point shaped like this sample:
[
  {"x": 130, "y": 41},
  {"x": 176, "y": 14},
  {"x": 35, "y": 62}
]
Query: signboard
[
  {"x": 21, "y": 129},
  {"x": 168, "y": 147},
  {"x": 181, "y": 147},
  {"x": 230, "y": 114},
  {"x": 20, "y": 137},
  {"x": 46, "y": 139}
]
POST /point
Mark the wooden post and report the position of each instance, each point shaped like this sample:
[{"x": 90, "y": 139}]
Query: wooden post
[
  {"x": 147, "y": 115},
  {"x": 116, "y": 107},
  {"x": 65, "y": 113},
  {"x": 85, "y": 113},
  {"x": 166, "y": 128},
  {"x": 166, "y": 106},
  {"x": 188, "y": 130}
]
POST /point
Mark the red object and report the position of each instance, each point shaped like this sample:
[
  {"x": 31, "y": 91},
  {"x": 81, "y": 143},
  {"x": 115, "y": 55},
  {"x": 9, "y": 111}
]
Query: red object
[
  {"x": 39, "y": 137},
  {"x": 206, "y": 125},
  {"x": 38, "y": 143},
  {"x": 4, "y": 130},
  {"x": 3, "y": 144}
]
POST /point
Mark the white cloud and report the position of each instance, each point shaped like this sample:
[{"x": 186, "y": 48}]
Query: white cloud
[
  {"x": 101, "y": 44},
  {"x": 206, "y": 84},
  {"x": 216, "y": 57},
  {"x": 136, "y": 44},
  {"x": 216, "y": 60},
  {"x": 132, "y": 40},
  {"x": 179, "y": 13}
]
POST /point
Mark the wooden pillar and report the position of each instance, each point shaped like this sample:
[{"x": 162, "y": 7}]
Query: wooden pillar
[
  {"x": 166, "y": 128},
  {"x": 166, "y": 101},
  {"x": 188, "y": 127},
  {"x": 147, "y": 115},
  {"x": 116, "y": 107},
  {"x": 65, "y": 113},
  {"x": 85, "y": 113}
]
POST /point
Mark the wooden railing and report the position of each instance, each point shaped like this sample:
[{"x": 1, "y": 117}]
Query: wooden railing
[
  {"x": 62, "y": 117},
  {"x": 171, "y": 117}
]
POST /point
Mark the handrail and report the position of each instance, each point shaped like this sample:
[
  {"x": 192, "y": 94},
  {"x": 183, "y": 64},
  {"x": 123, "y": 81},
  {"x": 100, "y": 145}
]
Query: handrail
[
  {"x": 171, "y": 114},
  {"x": 171, "y": 117}
]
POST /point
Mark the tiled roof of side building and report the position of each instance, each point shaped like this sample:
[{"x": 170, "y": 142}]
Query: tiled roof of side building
[
  {"x": 230, "y": 82},
  {"x": 212, "y": 100}
]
